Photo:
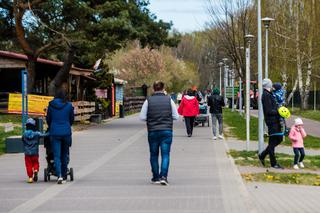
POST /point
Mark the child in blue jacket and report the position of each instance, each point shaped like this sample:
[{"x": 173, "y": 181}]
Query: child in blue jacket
[{"x": 31, "y": 139}]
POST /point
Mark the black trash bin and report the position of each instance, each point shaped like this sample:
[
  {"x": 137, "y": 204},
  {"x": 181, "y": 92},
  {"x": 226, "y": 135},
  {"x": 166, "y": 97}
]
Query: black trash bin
[{"x": 121, "y": 109}]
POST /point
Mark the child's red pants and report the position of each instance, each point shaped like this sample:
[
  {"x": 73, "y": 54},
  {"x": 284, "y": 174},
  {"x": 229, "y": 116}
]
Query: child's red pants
[{"x": 32, "y": 164}]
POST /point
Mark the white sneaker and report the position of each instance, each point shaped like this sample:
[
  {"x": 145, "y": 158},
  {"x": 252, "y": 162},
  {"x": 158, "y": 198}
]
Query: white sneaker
[
  {"x": 295, "y": 166},
  {"x": 221, "y": 137},
  {"x": 60, "y": 180},
  {"x": 301, "y": 165},
  {"x": 214, "y": 138}
]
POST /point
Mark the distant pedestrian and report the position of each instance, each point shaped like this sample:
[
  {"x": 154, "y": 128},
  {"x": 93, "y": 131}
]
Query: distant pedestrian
[
  {"x": 296, "y": 135},
  {"x": 159, "y": 111},
  {"x": 189, "y": 109},
  {"x": 31, "y": 139},
  {"x": 60, "y": 117},
  {"x": 272, "y": 120},
  {"x": 179, "y": 97},
  {"x": 216, "y": 102}
]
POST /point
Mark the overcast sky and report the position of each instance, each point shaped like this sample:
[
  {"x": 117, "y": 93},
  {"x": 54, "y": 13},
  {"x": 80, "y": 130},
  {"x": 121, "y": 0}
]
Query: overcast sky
[{"x": 186, "y": 15}]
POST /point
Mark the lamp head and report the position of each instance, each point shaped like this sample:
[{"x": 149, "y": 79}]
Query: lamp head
[
  {"x": 266, "y": 21},
  {"x": 249, "y": 38}
]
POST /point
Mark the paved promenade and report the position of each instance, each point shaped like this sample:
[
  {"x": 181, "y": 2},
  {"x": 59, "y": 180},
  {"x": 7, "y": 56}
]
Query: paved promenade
[{"x": 112, "y": 174}]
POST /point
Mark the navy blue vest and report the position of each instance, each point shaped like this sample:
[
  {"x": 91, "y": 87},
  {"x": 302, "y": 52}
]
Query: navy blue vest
[{"x": 159, "y": 116}]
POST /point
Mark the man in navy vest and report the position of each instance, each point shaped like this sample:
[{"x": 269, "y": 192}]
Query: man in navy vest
[{"x": 159, "y": 111}]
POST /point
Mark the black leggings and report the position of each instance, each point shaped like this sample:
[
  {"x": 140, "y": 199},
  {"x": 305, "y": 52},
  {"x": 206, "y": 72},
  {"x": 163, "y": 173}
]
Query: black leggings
[
  {"x": 189, "y": 124},
  {"x": 298, "y": 155}
]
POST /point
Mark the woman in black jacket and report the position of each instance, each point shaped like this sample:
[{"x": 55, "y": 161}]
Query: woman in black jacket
[{"x": 272, "y": 120}]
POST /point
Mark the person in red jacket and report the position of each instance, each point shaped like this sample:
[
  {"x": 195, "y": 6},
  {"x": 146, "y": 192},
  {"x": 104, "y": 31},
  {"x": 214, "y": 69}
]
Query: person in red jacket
[{"x": 189, "y": 108}]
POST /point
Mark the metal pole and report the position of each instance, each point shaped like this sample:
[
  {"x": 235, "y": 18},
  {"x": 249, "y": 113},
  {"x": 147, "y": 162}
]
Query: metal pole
[
  {"x": 266, "y": 75},
  {"x": 220, "y": 81},
  {"x": 225, "y": 84},
  {"x": 261, "y": 139},
  {"x": 315, "y": 97},
  {"x": 248, "y": 96},
  {"x": 240, "y": 94},
  {"x": 232, "y": 84}
]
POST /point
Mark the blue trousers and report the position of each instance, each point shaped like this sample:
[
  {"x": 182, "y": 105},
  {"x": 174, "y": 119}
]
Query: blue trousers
[
  {"x": 60, "y": 147},
  {"x": 160, "y": 140}
]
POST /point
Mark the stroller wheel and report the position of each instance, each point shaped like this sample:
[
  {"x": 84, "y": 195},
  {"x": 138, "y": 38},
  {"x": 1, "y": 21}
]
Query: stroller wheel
[
  {"x": 71, "y": 174},
  {"x": 45, "y": 175}
]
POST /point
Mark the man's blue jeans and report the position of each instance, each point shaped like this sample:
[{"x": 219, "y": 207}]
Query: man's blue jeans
[
  {"x": 160, "y": 140},
  {"x": 60, "y": 148}
]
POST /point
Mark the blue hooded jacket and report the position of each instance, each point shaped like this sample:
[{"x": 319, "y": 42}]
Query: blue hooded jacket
[
  {"x": 31, "y": 142},
  {"x": 60, "y": 117}
]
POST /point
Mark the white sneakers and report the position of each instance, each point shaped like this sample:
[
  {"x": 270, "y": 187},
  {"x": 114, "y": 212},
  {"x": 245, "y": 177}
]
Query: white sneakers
[
  {"x": 220, "y": 137},
  {"x": 301, "y": 165}
]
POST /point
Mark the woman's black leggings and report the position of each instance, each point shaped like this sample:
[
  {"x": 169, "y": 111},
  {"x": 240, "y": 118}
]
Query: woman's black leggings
[
  {"x": 189, "y": 124},
  {"x": 298, "y": 155}
]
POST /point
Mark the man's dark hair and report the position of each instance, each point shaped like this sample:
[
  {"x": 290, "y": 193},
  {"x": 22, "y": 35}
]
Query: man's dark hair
[
  {"x": 158, "y": 86},
  {"x": 190, "y": 92},
  {"x": 61, "y": 94}
]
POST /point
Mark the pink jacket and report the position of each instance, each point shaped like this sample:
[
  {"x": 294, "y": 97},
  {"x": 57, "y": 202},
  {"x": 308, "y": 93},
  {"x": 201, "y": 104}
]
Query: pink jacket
[{"x": 297, "y": 136}]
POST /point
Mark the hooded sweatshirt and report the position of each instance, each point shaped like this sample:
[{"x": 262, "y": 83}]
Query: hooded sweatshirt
[
  {"x": 31, "y": 142},
  {"x": 189, "y": 106},
  {"x": 60, "y": 117}
]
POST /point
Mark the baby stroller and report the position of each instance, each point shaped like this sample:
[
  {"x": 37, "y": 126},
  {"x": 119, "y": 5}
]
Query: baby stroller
[
  {"x": 203, "y": 117},
  {"x": 50, "y": 170}
]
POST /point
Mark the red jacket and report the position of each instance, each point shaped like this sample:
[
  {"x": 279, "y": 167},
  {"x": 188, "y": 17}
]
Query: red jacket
[{"x": 189, "y": 106}]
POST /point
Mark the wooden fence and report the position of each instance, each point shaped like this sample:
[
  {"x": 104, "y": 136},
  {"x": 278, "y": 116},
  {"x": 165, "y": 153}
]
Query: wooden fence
[
  {"x": 83, "y": 110},
  {"x": 133, "y": 104}
]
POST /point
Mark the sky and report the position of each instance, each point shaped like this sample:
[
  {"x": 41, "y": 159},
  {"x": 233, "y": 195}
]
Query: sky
[{"x": 186, "y": 15}]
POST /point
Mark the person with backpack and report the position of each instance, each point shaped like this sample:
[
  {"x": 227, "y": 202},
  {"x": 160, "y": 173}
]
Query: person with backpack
[{"x": 216, "y": 102}]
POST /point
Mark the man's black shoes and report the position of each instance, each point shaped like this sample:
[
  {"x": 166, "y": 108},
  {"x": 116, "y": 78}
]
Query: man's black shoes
[
  {"x": 164, "y": 181},
  {"x": 277, "y": 166},
  {"x": 155, "y": 181}
]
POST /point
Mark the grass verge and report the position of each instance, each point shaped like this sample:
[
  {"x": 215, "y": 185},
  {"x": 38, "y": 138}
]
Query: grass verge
[
  {"x": 250, "y": 158},
  {"x": 284, "y": 178},
  {"x": 237, "y": 126},
  {"x": 310, "y": 114},
  {"x": 10, "y": 118}
]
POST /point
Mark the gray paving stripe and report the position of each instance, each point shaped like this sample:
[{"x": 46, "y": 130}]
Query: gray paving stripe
[
  {"x": 241, "y": 186},
  {"x": 54, "y": 190}
]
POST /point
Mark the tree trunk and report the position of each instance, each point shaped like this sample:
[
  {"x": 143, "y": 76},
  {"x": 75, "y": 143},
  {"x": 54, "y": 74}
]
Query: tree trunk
[
  {"x": 294, "y": 89},
  {"x": 63, "y": 74},
  {"x": 31, "y": 67}
]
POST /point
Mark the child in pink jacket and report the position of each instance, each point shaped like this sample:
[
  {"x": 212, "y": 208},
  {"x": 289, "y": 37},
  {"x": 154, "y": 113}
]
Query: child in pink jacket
[{"x": 296, "y": 136}]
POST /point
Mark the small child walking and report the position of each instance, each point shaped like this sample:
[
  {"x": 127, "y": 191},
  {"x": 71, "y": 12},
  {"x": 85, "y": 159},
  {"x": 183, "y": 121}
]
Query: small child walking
[
  {"x": 31, "y": 139},
  {"x": 296, "y": 135}
]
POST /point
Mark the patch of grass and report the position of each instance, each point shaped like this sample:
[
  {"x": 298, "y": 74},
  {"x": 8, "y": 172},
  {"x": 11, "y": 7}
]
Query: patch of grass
[
  {"x": 245, "y": 158},
  {"x": 4, "y": 135},
  {"x": 310, "y": 114},
  {"x": 7, "y": 118},
  {"x": 237, "y": 126},
  {"x": 284, "y": 178}
]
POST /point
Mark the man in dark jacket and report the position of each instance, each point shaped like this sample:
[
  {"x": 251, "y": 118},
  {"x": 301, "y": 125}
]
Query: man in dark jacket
[
  {"x": 216, "y": 102},
  {"x": 159, "y": 111},
  {"x": 60, "y": 117},
  {"x": 272, "y": 120}
]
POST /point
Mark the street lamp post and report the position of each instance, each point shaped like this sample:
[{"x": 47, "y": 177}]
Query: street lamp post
[
  {"x": 260, "y": 109},
  {"x": 220, "y": 83},
  {"x": 266, "y": 22},
  {"x": 232, "y": 85},
  {"x": 225, "y": 79},
  {"x": 240, "y": 94},
  {"x": 248, "y": 39}
]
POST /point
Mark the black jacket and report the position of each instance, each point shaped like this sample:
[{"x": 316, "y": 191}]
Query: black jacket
[
  {"x": 216, "y": 102},
  {"x": 271, "y": 114}
]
